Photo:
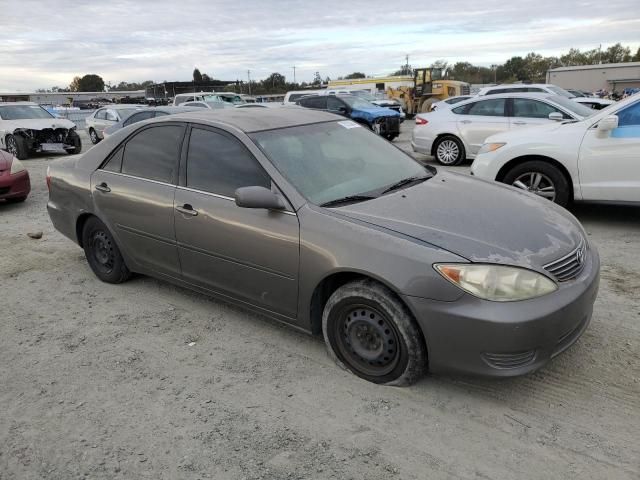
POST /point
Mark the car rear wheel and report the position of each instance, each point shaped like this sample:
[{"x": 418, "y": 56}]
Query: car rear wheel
[
  {"x": 102, "y": 253},
  {"x": 541, "y": 178},
  {"x": 372, "y": 334},
  {"x": 17, "y": 146},
  {"x": 449, "y": 151},
  {"x": 93, "y": 135}
]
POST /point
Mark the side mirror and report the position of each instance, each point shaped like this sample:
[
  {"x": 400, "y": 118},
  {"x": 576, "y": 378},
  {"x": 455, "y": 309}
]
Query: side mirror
[
  {"x": 258, "y": 197},
  {"x": 608, "y": 123},
  {"x": 556, "y": 116}
]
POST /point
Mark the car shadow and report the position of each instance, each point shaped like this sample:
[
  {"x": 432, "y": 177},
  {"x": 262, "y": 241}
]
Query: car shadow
[{"x": 605, "y": 213}]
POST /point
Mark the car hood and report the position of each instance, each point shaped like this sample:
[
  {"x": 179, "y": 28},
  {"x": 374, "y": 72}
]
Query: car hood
[
  {"x": 377, "y": 112},
  {"x": 37, "y": 124},
  {"x": 480, "y": 221}
]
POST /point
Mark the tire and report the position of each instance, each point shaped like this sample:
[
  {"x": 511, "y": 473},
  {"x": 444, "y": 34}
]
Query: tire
[
  {"x": 93, "y": 136},
  {"x": 77, "y": 143},
  {"x": 541, "y": 178},
  {"x": 449, "y": 151},
  {"x": 383, "y": 345},
  {"x": 426, "y": 106},
  {"x": 102, "y": 253},
  {"x": 17, "y": 146}
]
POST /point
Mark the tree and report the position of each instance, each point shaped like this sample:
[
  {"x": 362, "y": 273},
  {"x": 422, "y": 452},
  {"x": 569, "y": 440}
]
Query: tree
[
  {"x": 89, "y": 83},
  {"x": 317, "y": 79},
  {"x": 355, "y": 75},
  {"x": 515, "y": 68},
  {"x": 74, "y": 86},
  {"x": 205, "y": 78},
  {"x": 275, "y": 80},
  {"x": 440, "y": 64},
  {"x": 197, "y": 76},
  {"x": 616, "y": 54},
  {"x": 636, "y": 57},
  {"x": 404, "y": 70}
]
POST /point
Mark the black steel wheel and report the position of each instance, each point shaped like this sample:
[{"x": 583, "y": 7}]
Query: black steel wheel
[
  {"x": 17, "y": 146},
  {"x": 369, "y": 332},
  {"x": 102, "y": 252}
]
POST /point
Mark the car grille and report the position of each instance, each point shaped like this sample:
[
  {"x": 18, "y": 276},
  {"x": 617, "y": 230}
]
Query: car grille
[
  {"x": 4, "y": 190},
  {"x": 509, "y": 360},
  {"x": 568, "y": 338},
  {"x": 393, "y": 124},
  {"x": 569, "y": 266}
]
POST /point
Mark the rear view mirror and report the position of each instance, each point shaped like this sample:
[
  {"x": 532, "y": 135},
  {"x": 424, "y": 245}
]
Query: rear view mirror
[
  {"x": 556, "y": 116},
  {"x": 608, "y": 123},
  {"x": 258, "y": 197}
]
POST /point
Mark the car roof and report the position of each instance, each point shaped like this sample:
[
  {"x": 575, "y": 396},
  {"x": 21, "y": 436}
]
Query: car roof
[{"x": 251, "y": 120}]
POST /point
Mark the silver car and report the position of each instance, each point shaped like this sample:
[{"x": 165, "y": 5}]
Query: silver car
[
  {"x": 454, "y": 134},
  {"x": 313, "y": 220},
  {"x": 105, "y": 117}
]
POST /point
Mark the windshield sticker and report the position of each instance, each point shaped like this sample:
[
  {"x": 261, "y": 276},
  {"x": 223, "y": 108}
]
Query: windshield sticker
[{"x": 349, "y": 124}]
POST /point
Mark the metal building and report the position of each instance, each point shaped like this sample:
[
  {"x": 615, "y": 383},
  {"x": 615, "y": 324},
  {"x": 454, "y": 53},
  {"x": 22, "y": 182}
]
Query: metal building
[{"x": 607, "y": 76}]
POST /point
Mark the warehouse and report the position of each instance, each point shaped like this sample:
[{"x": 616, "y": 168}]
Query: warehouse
[{"x": 610, "y": 76}]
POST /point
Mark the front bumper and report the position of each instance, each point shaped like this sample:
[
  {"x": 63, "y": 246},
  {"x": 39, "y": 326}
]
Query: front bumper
[
  {"x": 14, "y": 186},
  {"x": 495, "y": 339}
]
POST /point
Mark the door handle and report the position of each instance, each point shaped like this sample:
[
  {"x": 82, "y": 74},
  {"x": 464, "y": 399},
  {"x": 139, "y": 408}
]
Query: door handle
[
  {"x": 187, "y": 210},
  {"x": 465, "y": 121},
  {"x": 103, "y": 187}
]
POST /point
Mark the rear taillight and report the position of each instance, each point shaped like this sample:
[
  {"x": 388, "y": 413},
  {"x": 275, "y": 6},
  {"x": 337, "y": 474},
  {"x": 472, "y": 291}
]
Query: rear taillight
[
  {"x": 421, "y": 121},
  {"x": 48, "y": 180}
]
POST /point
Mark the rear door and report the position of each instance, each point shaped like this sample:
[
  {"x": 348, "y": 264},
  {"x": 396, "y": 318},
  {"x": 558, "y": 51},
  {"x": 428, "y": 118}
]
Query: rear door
[
  {"x": 133, "y": 194},
  {"x": 478, "y": 120},
  {"x": 249, "y": 254}
]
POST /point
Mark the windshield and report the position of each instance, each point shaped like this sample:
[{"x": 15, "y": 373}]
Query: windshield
[
  {"x": 357, "y": 103},
  {"x": 212, "y": 98},
  {"x": 561, "y": 91},
  {"x": 573, "y": 106},
  {"x": 364, "y": 95},
  {"x": 23, "y": 112},
  {"x": 329, "y": 161},
  {"x": 127, "y": 112}
]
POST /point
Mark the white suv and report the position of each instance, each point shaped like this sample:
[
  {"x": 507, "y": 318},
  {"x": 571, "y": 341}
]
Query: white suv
[
  {"x": 526, "y": 88},
  {"x": 596, "y": 159}
]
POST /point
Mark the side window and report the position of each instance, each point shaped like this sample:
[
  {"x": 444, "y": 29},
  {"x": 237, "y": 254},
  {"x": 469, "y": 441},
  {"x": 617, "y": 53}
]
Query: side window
[
  {"x": 161, "y": 114},
  {"x": 497, "y": 91},
  {"x": 487, "y": 108},
  {"x": 523, "y": 107},
  {"x": 153, "y": 153},
  {"x": 315, "y": 102},
  {"x": 137, "y": 117},
  {"x": 219, "y": 164},
  {"x": 629, "y": 116},
  {"x": 534, "y": 89},
  {"x": 101, "y": 114},
  {"x": 333, "y": 104},
  {"x": 195, "y": 104},
  {"x": 111, "y": 115},
  {"x": 114, "y": 164}
]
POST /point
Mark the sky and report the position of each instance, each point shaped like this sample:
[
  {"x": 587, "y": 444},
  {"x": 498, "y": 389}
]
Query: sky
[{"x": 46, "y": 43}]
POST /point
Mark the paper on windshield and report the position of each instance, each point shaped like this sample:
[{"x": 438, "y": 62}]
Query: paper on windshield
[{"x": 349, "y": 124}]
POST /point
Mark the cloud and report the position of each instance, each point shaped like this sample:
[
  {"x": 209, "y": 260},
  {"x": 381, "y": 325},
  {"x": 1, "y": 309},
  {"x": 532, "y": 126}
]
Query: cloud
[{"x": 164, "y": 40}]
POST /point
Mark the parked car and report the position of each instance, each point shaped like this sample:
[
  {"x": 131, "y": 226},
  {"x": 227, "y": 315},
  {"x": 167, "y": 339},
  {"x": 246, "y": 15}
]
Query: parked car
[
  {"x": 452, "y": 135},
  {"x": 366, "y": 95},
  {"x": 383, "y": 121},
  {"x": 291, "y": 98},
  {"x": 209, "y": 104},
  {"x": 578, "y": 93},
  {"x": 180, "y": 98},
  {"x": 146, "y": 114},
  {"x": 596, "y": 159},
  {"x": 14, "y": 179},
  {"x": 315, "y": 221},
  {"x": 103, "y": 118},
  {"x": 594, "y": 103},
  {"x": 26, "y": 128},
  {"x": 449, "y": 102},
  {"x": 525, "y": 88}
]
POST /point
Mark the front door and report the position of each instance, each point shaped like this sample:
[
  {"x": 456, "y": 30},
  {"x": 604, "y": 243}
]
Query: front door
[
  {"x": 609, "y": 162},
  {"x": 481, "y": 119},
  {"x": 527, "y": 112},
  {"x": 133, "y": 194},
  {"x": 249, "y": 254}
]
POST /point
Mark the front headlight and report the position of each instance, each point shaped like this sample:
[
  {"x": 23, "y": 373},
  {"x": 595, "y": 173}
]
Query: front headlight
[
  {"x": 16, "y": 166},
  {"x": 497, "y": 283},
  {"x": 490, "y": 147}
]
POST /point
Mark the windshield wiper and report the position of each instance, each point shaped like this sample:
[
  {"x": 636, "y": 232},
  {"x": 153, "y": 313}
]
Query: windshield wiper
[
  {"x": 347, "y": 199},
  {"x": 406, "y": 181}
]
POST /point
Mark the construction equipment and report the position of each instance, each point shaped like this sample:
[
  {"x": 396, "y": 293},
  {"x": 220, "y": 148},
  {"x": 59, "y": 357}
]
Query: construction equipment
[{"x": 428, "y": 88}]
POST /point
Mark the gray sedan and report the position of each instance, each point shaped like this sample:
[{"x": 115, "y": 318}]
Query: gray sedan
[
  {"x": 315, "y": 221},
  {"x": 146, "y": 113}
]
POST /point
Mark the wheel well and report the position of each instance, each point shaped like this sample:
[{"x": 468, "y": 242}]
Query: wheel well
[
  {"x": 526, "y": 158},
  {"x": 437, "y": 139},
  {"x": 82, "y": 219}
]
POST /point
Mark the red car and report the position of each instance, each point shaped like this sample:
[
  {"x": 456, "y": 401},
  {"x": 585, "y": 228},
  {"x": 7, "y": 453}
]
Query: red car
[{"x": 14, "y": 179}]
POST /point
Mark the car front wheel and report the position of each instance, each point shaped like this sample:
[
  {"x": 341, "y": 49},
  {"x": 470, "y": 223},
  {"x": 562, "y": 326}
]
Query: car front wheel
[
  {"x": 102, "y": 253},
  {"x": 93, "y": 135},
  {"x": 17, "y": 146},
  {"x": 541, "y": 178},
  {"x": 371, "y": 333}
]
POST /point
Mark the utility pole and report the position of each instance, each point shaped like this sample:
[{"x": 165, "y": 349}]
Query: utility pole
[
  {"x": 600, "y": 55},
  {"x": 294, "y": 74},
  {"x": 495, "y": 73},
  {"x": 249, "y": 79},
  {"x": 407, "y": 64}
]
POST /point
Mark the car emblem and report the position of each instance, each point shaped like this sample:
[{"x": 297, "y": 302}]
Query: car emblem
[{"x": 580, "y": 255}]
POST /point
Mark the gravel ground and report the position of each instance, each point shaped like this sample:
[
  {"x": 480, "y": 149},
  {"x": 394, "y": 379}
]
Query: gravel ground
[{"x": 147, "y": 380}]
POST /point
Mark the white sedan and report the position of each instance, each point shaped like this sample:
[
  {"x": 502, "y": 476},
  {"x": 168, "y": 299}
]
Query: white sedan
[
  {"x": 452, "y": 135},
  {"x": 596, "y": 159}
]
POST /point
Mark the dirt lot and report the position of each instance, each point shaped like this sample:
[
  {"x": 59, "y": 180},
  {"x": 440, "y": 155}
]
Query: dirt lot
[{"x": 147, "y": 380}]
